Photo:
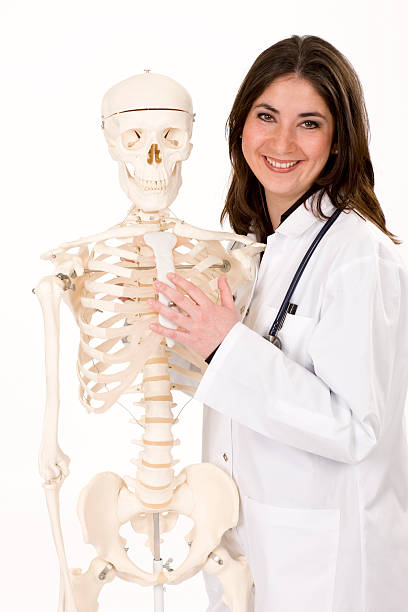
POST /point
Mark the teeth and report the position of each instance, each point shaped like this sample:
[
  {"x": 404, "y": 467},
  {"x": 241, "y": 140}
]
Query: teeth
[
  {"x": 156, "y": 185},
  {"x": 281, "y": 165},
  {"x": 152, "y": 185}
]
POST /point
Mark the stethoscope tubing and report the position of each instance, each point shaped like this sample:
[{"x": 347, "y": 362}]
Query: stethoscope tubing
[{"x": 280, "y": 317}]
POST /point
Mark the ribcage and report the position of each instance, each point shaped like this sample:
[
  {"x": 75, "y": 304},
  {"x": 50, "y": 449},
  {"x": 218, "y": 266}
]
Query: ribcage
[{"x": 115, "y": 338}]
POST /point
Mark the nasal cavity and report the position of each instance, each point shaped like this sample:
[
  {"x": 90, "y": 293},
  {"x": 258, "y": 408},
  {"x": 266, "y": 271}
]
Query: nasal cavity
[{"x": 154, "y": 155}]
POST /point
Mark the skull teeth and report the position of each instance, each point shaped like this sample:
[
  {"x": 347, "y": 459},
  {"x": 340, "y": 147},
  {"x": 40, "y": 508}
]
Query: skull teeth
[
  {"x": 152, "y": 185},
  {"x": 156, "y": 185}
]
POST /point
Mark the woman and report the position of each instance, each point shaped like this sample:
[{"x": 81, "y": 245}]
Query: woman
[{"x": 313, "y": 434}]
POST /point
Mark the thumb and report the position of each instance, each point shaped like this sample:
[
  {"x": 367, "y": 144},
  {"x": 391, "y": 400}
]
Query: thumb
[{"x": 225, "y": 293}]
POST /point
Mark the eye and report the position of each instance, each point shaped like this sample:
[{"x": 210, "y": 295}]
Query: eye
[
  {"x": 174, "y": 137},
  {"x": 265, "y": 117},
  {"x": 131, "y": 138},
  {"x": 311, "y": 124}
]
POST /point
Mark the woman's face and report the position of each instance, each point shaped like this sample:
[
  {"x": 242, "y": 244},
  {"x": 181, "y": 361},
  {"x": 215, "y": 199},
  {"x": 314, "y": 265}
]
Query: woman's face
[{"x": 287, "y": 139}]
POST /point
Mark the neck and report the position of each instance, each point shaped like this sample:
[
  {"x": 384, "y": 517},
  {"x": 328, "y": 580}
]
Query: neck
[
  {"x": 137, "y": 215},
  {"x": 278, "y": 205}
]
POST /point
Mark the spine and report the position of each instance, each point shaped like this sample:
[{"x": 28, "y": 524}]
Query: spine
[{"x": 154, "y": 483}]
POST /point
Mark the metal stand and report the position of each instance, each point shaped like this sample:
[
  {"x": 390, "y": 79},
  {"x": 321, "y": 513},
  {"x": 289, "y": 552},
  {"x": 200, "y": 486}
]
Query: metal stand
[{"x": 158, "y": 590}]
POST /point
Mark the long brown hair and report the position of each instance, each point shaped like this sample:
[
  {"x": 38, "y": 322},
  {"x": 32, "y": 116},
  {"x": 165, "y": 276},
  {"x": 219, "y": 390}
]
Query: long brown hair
[{"x": 348, "y": 176}]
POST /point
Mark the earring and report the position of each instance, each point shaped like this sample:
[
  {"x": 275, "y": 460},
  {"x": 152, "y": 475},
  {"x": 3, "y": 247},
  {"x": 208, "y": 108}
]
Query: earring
[
  {"x": 240, "y": 136},
  {"x": 336, "y": 150}
]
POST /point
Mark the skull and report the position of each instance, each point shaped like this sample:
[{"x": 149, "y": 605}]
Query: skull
[{"x": 147, "y": 123}]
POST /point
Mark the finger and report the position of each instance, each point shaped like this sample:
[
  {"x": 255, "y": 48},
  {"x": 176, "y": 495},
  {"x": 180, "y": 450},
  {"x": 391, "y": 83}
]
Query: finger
[
  {"x": 193, "y": 291},
  {"x": 225, "y": 292},
  {"x": 167, "y": 332},
  {"x": 175, "y": 296},
  {"x": 172, "y": 315}
]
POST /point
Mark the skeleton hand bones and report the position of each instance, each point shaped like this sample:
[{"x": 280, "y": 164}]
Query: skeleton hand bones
[{"x": 53, "y": 464}]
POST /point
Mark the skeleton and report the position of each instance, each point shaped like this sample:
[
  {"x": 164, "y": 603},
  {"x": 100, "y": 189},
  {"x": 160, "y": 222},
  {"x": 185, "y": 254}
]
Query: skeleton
[{"x": 106, "y": 280}]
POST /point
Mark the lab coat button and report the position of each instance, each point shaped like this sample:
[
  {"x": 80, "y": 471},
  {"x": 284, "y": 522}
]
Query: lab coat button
[{"x": 225, "y": 457}]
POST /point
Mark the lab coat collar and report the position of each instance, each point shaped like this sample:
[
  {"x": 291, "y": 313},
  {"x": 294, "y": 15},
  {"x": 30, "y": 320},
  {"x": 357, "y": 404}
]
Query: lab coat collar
[{"x": 302, "y": 218}]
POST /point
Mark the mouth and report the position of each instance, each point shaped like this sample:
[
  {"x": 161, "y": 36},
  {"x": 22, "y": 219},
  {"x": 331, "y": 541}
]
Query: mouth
[
  {"x": 148, "y": 185},
  {"x": 278, "y": 165}
]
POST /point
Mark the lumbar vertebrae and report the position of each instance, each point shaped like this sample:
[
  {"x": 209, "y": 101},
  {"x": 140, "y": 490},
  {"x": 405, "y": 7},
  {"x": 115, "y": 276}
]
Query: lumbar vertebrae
[{"x": 107, "y": 279}]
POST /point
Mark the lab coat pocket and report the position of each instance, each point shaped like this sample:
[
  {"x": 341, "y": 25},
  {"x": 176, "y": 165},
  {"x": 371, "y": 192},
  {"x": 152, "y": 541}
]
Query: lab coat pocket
[
  {"x": 294, "y": 334},
  {"x": 293, "y": 556}
]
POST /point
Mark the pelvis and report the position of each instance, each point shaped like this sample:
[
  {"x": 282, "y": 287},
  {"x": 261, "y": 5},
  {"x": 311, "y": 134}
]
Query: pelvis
[{"x": 205, "y": 494}]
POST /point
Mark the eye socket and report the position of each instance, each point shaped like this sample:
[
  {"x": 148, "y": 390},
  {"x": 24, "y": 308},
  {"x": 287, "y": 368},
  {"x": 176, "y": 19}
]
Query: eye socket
[
  {"x": 174, "y": 137},
  {"x": 131, "y": 138}
]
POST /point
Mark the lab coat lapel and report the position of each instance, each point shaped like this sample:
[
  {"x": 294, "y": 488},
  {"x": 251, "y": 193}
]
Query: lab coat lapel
[
  {"x": 303, "y": 217},
  {"x": 295, "y": 225}
]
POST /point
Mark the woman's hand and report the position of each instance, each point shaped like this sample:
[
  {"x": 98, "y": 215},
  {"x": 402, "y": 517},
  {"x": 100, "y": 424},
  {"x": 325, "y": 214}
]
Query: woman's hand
[{"x": 202, "y": 325}]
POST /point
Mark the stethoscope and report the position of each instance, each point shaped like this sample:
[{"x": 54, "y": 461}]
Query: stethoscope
[{"x": 283, "y": 310}]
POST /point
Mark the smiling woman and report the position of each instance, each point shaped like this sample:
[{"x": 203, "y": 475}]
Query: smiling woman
[
  {"x": 279, "y": 137},
  {"x": 313, "y": 434},
  {"x": 301, "y": 101}
]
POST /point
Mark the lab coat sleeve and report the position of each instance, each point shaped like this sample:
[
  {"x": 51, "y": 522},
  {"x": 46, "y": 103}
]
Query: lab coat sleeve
[{"x": 340, "y": 410}]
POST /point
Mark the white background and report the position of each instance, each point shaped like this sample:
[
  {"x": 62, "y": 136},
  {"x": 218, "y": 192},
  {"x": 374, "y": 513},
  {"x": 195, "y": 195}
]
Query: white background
[{"x": 58, "y": 59}]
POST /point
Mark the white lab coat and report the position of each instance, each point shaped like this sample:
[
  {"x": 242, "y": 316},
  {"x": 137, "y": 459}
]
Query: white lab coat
[{"x": 314, "y": 435}]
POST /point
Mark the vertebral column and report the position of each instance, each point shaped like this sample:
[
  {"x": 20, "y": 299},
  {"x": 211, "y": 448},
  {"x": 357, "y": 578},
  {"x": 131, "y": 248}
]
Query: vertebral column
[{"x": 155, "y": 475}]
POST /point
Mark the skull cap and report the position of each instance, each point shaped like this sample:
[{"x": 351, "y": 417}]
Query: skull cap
[{"x": 148, "y": 91}]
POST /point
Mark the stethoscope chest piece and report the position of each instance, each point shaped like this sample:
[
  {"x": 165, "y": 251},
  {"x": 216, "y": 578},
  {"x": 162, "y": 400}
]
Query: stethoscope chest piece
[{"x": 274, "y": 340}]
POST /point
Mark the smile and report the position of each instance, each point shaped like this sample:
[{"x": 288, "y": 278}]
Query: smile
[{"x": 281, "y": 166}]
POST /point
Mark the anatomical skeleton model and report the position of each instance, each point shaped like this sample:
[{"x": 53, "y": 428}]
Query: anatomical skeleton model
[{"x": 106, "y": 279}]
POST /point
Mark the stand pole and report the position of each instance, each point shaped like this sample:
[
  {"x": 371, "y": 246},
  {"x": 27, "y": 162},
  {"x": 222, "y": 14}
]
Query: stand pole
[{"x": 158, "y": 591}]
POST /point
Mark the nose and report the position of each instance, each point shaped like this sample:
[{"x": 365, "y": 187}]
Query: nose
[
  {"x": 154, "y": 155},
  {"x": 283, "y": 141}
]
